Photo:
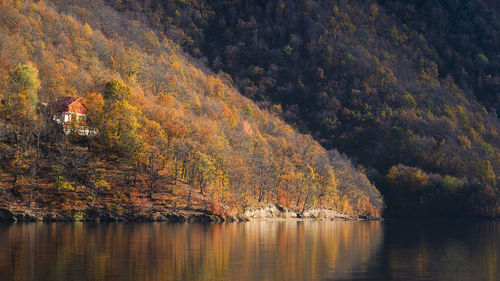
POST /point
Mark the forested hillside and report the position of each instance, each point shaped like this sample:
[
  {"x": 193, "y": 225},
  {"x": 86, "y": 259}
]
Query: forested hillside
[
  {"x": 395, "y": 85},
  {"x": 466, "y": 36},
  {"x": 170, "y": 135}
]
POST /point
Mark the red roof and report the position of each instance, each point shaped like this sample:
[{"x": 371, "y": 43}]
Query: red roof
[{"x": 62, "y": 104}]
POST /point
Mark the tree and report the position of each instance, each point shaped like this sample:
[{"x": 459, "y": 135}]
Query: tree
[
  {"x": 19, "y": 104},
  {"x": 61, "y": 183},
  {"x": 121, "y": 128},
  {"x": 312, "y": 183},
  {"x": 485, "y": 173},
  {"x": 95, "y": 110},
  {"x": 407, "y": 186},
  {"x": 18, "y": 109},
  {"x": 96, "y": 180},
  {"x": 206, "y": 170},
  {"x": 154, "y": 170},
  {"x": 116, "y": 91}
]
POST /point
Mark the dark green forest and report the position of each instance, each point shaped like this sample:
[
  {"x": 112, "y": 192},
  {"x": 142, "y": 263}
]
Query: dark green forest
[{"x": 408, "y": 89}]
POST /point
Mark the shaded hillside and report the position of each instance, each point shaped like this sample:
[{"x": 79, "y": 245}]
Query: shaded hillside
[
  {"x": 171, "y": 136},
  {"x": 378, "y": 83},
  {"x": 466, "y": 36}
]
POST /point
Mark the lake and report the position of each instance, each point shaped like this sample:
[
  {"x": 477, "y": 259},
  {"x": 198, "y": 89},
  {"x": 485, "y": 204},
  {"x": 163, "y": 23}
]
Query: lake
[{"x": 257, "y": 250}]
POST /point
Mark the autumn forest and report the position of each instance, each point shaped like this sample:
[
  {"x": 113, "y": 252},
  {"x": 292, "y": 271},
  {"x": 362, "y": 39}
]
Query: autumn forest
[{"x": 368, "y": 108}]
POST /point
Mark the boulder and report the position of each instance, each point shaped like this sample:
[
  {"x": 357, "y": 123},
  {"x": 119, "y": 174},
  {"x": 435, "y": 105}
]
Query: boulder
[
  {"x": 27, "y": 217},
  {"x": 269, "y": 211},
  {"x": 175, "y": 217},
  {"x": 204, "y": 218},
  {"x": 321, "y": 213}
]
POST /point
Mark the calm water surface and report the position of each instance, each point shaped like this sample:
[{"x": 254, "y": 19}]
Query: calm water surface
[{"x": 259, "y": 250}]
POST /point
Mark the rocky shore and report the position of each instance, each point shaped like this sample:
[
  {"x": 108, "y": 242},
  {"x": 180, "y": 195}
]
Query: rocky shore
[
  {"x": 275, "y": 212},
  {"x": 270, "y": 212}
]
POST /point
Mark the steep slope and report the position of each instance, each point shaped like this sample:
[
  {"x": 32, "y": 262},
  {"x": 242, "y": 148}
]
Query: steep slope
[
  {"x": 171, "y": 136},
  {"x": 355, "y": 76},
  {"x": 466, "y": 36}
]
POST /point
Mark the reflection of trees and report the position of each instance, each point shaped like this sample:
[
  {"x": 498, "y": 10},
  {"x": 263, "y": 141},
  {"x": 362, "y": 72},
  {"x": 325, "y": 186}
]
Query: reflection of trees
[
  {"x": 156, "y": 251},
  {"x": 260, "y": 250},
  {"x": 438, "y": 250}
]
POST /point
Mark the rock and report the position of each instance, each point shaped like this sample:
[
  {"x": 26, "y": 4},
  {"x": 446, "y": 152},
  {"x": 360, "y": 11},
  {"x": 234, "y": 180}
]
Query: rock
[
  {"x": 321, "y": 213},
  {"x": 175, "y": 217},
  {"x": 119, "y": 219},
  {"x": 235, "y": 218},
  {"x": 26, "y": 217},
  {"x": 53, "y": 217},
  {"x": 269, "y": 211},
  {"x": 6, "y": 216},
  {"x": 140, "y": 217},
  {"x": 32, "y": 218},
  {"x": 291, "y": 214},
  {"x": 217, "y": 218},
  {"x": 276, "y": 211},
  {"x": 204, "y": 218},
  {"x": 157, "y": 216}
]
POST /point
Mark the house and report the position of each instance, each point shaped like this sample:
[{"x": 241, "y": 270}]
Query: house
[
  {"x": 71, "y": 113},
  {"x": 66, "y": 109}
]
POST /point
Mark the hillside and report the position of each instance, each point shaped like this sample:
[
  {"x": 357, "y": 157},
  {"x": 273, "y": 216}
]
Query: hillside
[
  {"x": 465, "y": 34},
  {"x": 408, "y": 90},
  {"x": 172, "y": 136}
]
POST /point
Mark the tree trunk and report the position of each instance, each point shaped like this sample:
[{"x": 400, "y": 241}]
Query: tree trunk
[
  {"x": 261, "y": 193},
  {"x": 201, "y": 186},
  {"x": 14, "y": 182},
  {"x": 136, "y": 172},
  {"x": 189, "y": 196},
  {"x": 298, "y": 196},
  {"x": 30, "y": 195},
  {"x": 306, "y": 199}
]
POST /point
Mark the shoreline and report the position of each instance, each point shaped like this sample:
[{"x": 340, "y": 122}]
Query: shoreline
[{"x": 266, "y": 213}]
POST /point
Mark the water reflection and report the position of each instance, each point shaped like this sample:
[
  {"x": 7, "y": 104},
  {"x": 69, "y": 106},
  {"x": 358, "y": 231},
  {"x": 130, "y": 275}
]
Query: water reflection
[
  {"x": 439, "y": 250},
  {"x": 261, "y": 250}
]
